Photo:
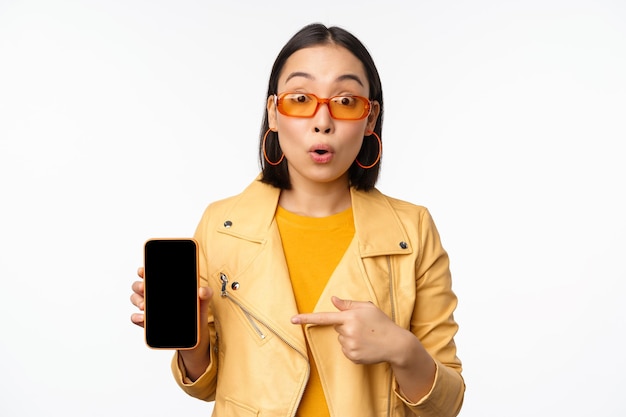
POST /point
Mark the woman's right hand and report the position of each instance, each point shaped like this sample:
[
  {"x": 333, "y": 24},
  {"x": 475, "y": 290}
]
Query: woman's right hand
[
  {"x": 196, "y": 360},
  {"x": 137, "y": 299}
]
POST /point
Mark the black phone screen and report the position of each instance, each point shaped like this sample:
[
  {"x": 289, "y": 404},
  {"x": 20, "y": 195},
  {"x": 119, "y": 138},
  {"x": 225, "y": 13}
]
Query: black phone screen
[{"x": 171, "y": 293}]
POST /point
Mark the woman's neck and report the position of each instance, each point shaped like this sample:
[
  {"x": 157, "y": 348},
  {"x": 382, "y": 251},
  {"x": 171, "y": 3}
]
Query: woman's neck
[{"x": 316, "y": 199}]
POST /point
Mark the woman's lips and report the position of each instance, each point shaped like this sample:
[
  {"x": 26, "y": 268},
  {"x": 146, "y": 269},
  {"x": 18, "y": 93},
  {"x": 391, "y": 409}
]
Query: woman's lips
[{"x": 321, "y": 154}]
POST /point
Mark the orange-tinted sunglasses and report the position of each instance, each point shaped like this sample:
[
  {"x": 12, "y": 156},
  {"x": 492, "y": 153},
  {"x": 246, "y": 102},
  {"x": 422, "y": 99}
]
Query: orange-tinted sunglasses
[{"x": 345, "y": 107}]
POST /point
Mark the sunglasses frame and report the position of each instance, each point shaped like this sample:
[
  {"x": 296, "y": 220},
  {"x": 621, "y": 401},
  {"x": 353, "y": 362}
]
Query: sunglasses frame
[{"x": 278, "y": 98}]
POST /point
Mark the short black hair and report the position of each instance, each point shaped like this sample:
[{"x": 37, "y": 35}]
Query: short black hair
[{"x": 313, "y": 35}]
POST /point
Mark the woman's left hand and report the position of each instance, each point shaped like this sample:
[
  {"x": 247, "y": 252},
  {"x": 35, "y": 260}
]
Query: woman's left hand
[{"x": 366, "y": 334}]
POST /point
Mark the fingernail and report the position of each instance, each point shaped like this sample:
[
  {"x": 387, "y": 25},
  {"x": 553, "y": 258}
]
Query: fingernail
[{"x": 295, "y": 320}]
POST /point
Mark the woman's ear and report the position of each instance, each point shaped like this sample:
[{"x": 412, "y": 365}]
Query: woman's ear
[
  {"x": 373, "y": 116},
  {"x": 271, "y": 113}
]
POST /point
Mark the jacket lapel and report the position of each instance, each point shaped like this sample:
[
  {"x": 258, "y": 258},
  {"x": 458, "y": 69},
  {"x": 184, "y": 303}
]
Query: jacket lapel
[
  {"x": 378, "y": 228},
  {"x": 378, "y": 232}
]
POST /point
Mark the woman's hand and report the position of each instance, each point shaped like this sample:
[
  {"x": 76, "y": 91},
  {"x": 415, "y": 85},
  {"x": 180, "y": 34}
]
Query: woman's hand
[
  {"x": 137, "y": 299},
  {"x": 196, "y": 360},
  {"x": 365, "y": 333},
  {"x": 368, "y": 336}
]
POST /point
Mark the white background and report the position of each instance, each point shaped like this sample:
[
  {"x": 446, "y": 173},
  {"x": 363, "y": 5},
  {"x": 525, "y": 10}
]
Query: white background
[{"x": 121, "y": 120}]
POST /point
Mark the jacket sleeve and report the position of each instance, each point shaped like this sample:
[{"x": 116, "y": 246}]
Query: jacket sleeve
[
  {"x": 434, "y": 325},
  {"x": 204, "y": 387}
]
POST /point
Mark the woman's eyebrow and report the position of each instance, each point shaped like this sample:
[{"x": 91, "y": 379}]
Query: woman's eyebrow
[
  {"x": 306, "y": 75},
  {"x": 299, "y": 74},
  {"x": 350, "y": 77}
]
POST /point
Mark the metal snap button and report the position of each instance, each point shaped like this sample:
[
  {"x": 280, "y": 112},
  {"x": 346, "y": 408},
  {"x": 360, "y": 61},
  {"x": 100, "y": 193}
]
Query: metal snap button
[
  {"x": 228, "y": 224},
  {"x": 404, "y": 245}
]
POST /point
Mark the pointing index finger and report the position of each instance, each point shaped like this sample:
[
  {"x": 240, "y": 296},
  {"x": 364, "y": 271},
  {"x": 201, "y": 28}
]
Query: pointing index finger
[{"x": 321, "y": 319}]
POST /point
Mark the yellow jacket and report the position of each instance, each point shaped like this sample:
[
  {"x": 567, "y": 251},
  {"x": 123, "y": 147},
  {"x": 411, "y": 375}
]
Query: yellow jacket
[{"x": 259, "y": 364}]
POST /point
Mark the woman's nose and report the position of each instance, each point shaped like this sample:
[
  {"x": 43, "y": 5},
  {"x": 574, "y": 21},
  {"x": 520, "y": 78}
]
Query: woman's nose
[{"x": 323, "y": 119}]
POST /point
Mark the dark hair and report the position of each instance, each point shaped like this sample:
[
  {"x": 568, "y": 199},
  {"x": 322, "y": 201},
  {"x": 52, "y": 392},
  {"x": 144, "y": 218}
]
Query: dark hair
[{"x": 313, "y": 35}]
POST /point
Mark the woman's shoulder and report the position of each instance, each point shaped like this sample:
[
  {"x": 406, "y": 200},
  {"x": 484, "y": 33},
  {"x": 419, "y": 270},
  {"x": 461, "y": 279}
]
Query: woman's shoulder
[
  {"x": 401, "y": 206},
  {"x": 257, "y": 199},
  {"x": 384, "y": 215}
]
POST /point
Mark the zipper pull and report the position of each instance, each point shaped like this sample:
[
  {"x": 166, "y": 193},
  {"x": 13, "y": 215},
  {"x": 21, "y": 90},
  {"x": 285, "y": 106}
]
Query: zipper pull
[{"x": 224, "y": 280}]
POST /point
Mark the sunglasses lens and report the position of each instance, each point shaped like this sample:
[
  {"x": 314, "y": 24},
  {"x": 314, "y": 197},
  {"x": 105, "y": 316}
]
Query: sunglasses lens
[
  {"x": 348, "y": 107},
  {"x": 297, "y": 104}
]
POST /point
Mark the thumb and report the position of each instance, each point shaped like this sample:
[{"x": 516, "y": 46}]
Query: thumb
[
  {"x": 204, "y": 296},
  {"x": 341, "y": 304}
]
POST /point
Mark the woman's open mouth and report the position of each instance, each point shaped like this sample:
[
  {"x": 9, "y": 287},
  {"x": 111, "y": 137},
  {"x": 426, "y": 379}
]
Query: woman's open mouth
[{"x": 321, "y": 154}]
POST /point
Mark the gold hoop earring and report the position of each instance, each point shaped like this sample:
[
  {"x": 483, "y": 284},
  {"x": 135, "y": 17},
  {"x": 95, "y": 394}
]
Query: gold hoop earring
[
  {"x": 380, "y": 151},
  {"x": 265, "y": 153}
]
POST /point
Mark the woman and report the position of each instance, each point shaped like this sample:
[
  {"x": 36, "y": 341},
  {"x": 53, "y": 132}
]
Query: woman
[{"x": 322, "y": 296}]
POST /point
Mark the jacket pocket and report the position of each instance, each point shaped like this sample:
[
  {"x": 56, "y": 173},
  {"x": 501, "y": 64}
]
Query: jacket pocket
[{"x": 236, "y": 409}]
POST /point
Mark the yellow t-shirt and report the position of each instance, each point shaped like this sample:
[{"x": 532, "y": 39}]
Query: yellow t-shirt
[{"x": 313, "y": 247}]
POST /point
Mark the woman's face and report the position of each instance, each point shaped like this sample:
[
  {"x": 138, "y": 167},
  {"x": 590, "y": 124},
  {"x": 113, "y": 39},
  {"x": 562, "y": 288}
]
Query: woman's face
[{"x": 320, "y": 149}]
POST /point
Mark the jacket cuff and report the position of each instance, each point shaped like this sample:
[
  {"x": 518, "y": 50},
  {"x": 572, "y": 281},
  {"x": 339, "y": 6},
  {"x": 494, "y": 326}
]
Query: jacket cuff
[
  {"x": 445, "y": 396},
  {"x": 198, "y": 388}
]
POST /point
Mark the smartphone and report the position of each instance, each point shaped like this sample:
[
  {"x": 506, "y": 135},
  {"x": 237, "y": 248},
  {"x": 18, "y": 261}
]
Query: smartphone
[{"x": 171, "y": 307}]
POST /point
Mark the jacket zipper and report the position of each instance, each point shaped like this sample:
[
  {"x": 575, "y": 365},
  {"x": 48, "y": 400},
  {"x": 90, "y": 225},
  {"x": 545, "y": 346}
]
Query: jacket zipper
[
  {"x": 391, "y": 294},
  {"x": 393, "y": 318},
  {"x": 224, "y": 293},
  {"x": 251, "y": 318}
]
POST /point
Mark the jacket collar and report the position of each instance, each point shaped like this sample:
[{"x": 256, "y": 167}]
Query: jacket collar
[{"x": 378, "y": 228}]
